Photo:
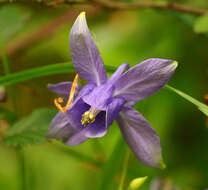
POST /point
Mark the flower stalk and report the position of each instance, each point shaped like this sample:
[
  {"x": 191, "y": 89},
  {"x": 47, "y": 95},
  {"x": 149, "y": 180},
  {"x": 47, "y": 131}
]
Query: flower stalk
[{"x": 124, "y": 172}]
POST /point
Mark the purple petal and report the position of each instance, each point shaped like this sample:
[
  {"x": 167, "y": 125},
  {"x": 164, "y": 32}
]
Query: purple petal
[
  {"x": 98, "y": 127},
  {"x": 100, "y": 97},
  {"x": 93, "y": 130},
  {"x": 85, "y": 55},
  {"x": 84, "y": 91},
  {"x": 77, "y": 139},
  {"x": 145, "y": 79},
  {"x": 115, "y": 76},
  {"x": 140, "y": 137},
  {"x": 130, "y": 104},
  {"x": 62, "y": 88},
  {"x": 69, "y": 125},
  {"x": 75, "y": 112},
  {"x": 87, "y": 89},
  {"x": 113, "y": 110},
  {"x": 60, "y": 127}
]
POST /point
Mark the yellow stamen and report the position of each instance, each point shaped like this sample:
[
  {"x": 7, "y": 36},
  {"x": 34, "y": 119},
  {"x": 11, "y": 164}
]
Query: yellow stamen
[
  {"x": 72, "y": 92},
  {"x": 59, "y": 100},
  {"x": 89, "y": 116}
]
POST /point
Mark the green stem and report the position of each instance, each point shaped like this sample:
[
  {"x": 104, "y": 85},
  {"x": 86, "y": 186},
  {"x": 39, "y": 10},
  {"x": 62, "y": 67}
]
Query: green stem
[
  {"x": 19, "y": 150},
  {"x": 125, "y": 166},
  {"x": 7, "y": 71},
  {"x": 21, "y": 161},
  {"x": 4, "y": 56}
]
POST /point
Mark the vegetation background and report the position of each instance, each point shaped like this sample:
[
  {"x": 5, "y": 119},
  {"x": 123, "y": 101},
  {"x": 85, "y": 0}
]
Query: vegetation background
[{"x": 35, "y": 34}]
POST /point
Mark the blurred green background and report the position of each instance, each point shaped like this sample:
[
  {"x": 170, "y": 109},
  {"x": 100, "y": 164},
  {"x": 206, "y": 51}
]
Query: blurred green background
[{"x": 35, "y": 35}]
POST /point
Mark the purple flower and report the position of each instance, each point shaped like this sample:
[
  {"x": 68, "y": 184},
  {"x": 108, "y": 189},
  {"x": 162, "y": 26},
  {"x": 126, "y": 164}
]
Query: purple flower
[{"x": 91, "y": 109}]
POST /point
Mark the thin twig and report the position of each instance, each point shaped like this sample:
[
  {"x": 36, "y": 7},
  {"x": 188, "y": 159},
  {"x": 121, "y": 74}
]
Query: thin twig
[
  {"x": 109, "y": 4},
  {"x": 23, "y": 42},
  {"x": 48, "y": 29},
  {"x": 138, "y": 5},
  {"x": 39, "y": 34}
]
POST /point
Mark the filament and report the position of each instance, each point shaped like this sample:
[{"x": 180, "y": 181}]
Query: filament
[{"x": 59, "y": 100}]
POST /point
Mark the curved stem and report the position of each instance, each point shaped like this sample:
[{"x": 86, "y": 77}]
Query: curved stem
[
  {"x": 137, "y": 5},
  {"x": 125, "y": 166},
  {"x": 21, "y": 161}
]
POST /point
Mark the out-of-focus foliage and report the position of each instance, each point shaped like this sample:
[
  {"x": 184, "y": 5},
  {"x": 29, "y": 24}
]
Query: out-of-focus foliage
[
  {"x": 35, "y": 38},
  {"x": 8, "y": 115},
  {"x": 12, "y": 20},
  {"x": 201, "y": 25},
  {"x": 30, "y": 130}
]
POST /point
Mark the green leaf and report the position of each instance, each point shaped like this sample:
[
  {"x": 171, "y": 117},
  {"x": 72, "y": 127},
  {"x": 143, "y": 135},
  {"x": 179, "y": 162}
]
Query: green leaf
[
  {"x": 7, "y": 115},
  {"x": 201, "y": 24},
  {"x": 202, "y": 107},
  {"x": 30, "y": 130},
  {"x": 36, "y": 72},
  {"x": 112, "y": 166}
]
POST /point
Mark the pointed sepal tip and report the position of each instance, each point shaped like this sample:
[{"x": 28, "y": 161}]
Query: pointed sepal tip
[{"x": 82, "y": 14}]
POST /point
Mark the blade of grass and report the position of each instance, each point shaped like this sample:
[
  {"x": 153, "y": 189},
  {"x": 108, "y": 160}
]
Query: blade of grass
[
  {"x": 40, "y": 72},
  {"x": 202, "y": 107},
  {"x": 35, "y": 73}
]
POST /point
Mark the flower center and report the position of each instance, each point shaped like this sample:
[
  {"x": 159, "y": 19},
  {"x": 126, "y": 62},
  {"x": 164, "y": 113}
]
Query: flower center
[
  {"x": 58, "y": 101},
  {"x": 89, "y": 116}
]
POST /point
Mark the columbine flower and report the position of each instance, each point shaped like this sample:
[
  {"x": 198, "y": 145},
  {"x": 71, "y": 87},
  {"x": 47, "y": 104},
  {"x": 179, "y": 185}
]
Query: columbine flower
[{"x": 91, "y": 109}]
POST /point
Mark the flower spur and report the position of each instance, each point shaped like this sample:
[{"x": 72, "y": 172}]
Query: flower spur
[{"x": 91, "y": 109}]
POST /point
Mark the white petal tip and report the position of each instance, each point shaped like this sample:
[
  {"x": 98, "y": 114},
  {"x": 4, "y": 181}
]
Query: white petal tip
[
  {"x": 80, "y": 25},
  {"x": 170, "y": 67},
  {"x": 82, "y": 15},
  {"x": 175, "y": 63}
]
